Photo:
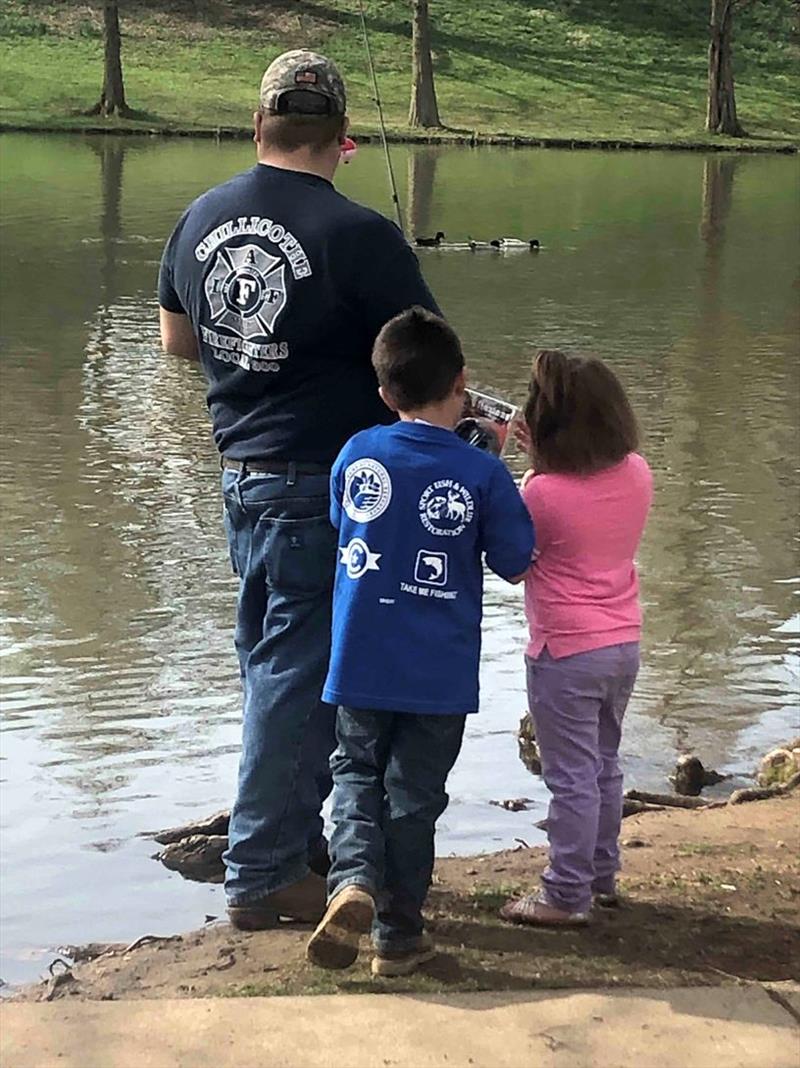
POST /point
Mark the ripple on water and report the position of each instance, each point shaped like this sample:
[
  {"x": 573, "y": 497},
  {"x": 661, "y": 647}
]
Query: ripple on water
[{"x": 119, "y": 686}]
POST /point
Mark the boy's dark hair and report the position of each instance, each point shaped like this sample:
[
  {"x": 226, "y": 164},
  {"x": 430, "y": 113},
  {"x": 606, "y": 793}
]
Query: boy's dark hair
[
  {"x": 578, "y": 415},
  {"x": 417, "y": 358},
  {"x": 292, "y": 131}
]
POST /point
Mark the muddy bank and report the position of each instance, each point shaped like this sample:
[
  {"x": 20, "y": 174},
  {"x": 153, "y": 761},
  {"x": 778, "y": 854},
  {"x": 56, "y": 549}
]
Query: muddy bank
[
  {"x": 470, "y": 138},
  {"x": 713, "y": 895}
]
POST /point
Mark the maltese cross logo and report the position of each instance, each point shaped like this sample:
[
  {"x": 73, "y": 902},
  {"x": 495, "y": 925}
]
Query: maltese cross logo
[{"x": 246, "y": 291}]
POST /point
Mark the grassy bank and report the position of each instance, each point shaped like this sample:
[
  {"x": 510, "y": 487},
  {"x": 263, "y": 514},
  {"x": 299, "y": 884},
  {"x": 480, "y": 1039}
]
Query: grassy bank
[
  {"x": 711, "y": 897},
  {"x": 591, "y": 71}
]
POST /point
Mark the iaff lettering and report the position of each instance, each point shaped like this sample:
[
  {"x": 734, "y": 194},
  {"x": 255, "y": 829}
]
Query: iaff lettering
[
  {"x": 430, "y": 593},
  {"x": 255, "y": 225}
]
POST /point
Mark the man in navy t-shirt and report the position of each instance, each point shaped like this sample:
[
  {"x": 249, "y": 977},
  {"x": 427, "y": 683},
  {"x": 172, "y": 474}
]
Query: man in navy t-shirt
[
  {"x": 418, "y": 510},
  {"x": 279, "y": 285}
]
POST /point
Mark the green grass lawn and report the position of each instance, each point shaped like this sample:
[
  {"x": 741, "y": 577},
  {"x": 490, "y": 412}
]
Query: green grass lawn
[{"x": 582, "y": 69}]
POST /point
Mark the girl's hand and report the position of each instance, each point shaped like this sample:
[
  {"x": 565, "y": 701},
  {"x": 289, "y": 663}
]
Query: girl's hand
[
  {"x": 523, "y": 482},
  {"x": 522, "y": 436}
]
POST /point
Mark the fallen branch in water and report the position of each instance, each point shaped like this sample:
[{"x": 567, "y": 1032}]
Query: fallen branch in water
[
  {"x": 147, "y": 939},
  {"x": 761, "y": 793},
  {"x": 632, "y": 807},
  {"x": 666, "y": 800},
  {"x": 514, "y": 804}
]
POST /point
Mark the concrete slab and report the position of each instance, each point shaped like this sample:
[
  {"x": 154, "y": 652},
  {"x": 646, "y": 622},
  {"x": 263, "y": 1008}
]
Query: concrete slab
[
  {"x": 736, "y": 1026},
  {"x": 788, "y": 994}
]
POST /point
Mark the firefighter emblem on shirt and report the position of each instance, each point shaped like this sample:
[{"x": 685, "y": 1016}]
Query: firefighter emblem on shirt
[{"x": 246, "y": 291}]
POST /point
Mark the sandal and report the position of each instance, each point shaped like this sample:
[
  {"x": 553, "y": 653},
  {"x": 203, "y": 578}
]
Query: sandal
[{"x": 535, "y": 912}]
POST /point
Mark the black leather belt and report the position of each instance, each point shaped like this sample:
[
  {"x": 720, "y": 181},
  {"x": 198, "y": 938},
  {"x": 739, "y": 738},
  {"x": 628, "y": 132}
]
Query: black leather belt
[{"x": 275, "y": 467}]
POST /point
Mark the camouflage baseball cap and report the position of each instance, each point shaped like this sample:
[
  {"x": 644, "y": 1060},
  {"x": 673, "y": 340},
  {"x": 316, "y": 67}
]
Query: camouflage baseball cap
[{"x": 302, "y": 82}]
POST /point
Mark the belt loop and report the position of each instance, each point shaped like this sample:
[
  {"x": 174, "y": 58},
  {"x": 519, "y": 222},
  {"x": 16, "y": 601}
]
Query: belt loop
[
  {"x": 291, "y": 473},
  {"x": 238, "y": 484}
]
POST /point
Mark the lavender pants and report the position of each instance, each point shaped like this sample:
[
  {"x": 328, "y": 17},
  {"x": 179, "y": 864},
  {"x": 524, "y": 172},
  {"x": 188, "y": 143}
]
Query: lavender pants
[{"x": 577, "y": 704}]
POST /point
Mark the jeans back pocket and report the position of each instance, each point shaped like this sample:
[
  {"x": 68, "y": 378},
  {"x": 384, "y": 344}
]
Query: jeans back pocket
[{"x": 300, "y": 554}]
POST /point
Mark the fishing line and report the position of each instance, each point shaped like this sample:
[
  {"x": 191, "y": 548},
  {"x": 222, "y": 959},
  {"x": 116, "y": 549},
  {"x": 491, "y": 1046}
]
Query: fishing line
[{"x": 392, "y": 183}]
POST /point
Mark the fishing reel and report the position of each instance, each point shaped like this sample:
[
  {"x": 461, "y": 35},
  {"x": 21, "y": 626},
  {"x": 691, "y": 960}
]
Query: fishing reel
[{"x": 480, "y": 433}]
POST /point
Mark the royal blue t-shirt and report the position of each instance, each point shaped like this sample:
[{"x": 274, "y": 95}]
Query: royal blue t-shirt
[
  {"x": 287, "y": 283},
  {"x": 418, "y": 509}
]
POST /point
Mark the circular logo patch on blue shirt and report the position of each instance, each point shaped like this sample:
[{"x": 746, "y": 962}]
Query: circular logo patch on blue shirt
[
  {"x": 445, "y": 508},
  {"x": 367, "y": 490}
]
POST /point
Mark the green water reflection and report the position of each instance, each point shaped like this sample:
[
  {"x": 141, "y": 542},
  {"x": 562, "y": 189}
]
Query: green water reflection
[{"x": 119, "y": 683}]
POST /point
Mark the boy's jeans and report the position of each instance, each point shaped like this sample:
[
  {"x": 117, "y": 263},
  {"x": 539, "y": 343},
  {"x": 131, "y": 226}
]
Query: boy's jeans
[
  {"x": 577, "y": 704},
  {"x": 283, "y": 549},
  {"x": 389, "y": 774}
]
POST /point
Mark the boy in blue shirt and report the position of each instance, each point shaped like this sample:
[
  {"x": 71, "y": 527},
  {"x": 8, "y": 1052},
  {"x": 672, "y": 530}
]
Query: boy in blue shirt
[{"x": 417, "y": 510}]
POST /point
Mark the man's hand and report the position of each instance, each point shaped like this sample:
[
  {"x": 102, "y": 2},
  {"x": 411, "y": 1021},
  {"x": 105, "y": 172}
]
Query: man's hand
[{"x": 177, "y": 336}]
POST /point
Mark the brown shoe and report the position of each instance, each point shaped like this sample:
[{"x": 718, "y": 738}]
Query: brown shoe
[
  {"x": 391, "y": 963},
  {"x": 303, "y": 902},
  {"x": 334, "y": 944}
]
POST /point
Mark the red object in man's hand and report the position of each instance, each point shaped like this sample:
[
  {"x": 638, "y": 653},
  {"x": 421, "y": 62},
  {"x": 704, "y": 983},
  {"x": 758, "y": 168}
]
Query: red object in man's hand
[{"x": 347, "y": 149}]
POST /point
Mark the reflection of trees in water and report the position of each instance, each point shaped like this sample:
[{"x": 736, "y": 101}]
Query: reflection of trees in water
[
  {"x": 718, "y": 176},
  {"x": 722, "y": 544},
  {"x": 133, "y": 591},
  {"x": 421, "y": 180}
]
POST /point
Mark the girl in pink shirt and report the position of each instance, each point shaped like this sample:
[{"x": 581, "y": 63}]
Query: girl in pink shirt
[{"x": 588, "y": 494}]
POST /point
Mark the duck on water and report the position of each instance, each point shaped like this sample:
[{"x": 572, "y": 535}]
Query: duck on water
[
  {"x": 430, "y": 242},
  {"x": 500, "y": 244}
]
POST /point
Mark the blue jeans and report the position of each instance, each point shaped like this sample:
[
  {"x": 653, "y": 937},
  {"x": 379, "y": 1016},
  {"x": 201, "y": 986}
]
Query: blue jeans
[
  {"x": 283, "y": 548},
  {"x": 389, "y": 775}
]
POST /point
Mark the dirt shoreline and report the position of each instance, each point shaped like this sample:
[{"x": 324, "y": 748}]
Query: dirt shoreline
[
  {"x": 713, "y": 896},
  {"x": 470, "y": 139}
]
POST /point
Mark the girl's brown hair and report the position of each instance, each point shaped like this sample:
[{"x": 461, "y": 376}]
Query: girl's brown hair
[{"x": 578, "y": 415}]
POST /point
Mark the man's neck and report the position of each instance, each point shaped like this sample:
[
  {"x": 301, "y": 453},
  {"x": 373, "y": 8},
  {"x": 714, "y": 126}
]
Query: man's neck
[{"x": 321, "y": 165}]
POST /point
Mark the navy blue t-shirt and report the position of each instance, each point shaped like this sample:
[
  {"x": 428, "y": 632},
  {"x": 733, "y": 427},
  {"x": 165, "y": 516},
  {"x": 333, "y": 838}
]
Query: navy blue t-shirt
[
  {"x": 417, "y": 510},
  {"x": 286, "y": 283}
]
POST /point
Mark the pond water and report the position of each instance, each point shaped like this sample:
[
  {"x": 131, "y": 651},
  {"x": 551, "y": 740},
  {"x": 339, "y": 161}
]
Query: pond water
[{"x": 119, "y": 685}]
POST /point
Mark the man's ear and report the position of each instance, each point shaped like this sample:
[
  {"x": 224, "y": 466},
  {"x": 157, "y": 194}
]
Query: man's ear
[
  {"x": 345, "y": 128},
  {"x": 387, "y": 399},
  {"x": 460, "y": 383},
  {"x": 257, "y": 119}
]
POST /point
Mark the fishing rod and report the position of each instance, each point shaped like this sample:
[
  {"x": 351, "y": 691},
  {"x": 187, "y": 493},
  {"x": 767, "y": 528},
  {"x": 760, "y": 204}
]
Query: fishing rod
[{"x": 392, "y": 183}]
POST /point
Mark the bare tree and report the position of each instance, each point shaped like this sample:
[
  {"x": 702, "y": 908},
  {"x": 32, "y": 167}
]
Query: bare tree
[
  {"x": 424, "y": 110},
  {"x": 721, "y": 114},
  {"x": 112, "y": 99}
]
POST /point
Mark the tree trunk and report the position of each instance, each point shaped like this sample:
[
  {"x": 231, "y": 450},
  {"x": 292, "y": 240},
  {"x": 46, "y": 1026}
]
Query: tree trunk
[
  {"x": 112, "y": 98},
  {"x": 721, "y": 112},
  {"x": 424, "y": 110}
]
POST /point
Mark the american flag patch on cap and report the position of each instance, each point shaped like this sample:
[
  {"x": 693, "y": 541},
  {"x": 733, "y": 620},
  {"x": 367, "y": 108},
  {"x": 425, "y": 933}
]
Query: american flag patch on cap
[{"x": 306, "y": 77}]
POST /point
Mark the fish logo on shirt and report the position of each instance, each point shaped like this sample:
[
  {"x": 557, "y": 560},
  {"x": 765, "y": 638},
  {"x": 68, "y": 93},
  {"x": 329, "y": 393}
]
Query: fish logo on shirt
[{"x": 431, "y": 568}]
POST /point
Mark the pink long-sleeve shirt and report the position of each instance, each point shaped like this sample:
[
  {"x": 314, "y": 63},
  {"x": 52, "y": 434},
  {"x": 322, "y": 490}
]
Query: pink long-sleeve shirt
[{"x": 582, "y": 592}]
